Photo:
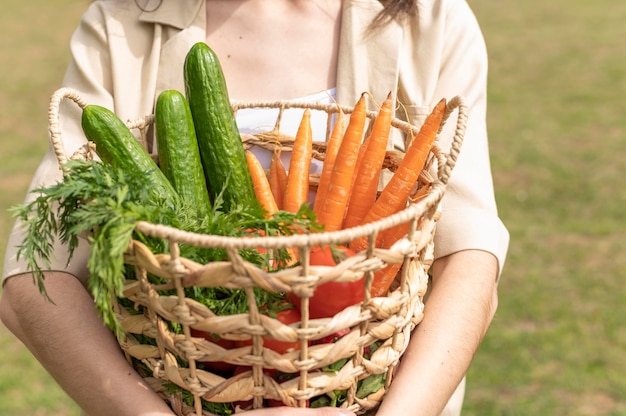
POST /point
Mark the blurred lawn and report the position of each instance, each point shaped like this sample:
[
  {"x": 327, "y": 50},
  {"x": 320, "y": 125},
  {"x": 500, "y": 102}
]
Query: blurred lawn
[
  {"x": 33, "y": 56},
  {"x": 558, "y": 133},
  {"x": 558, "y": 136}
]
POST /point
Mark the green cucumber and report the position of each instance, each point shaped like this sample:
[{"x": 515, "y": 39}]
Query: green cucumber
[
  {"x": 117, "y": 146},
  {"x": 179, "y": 156},
  {"x": 221, "y": 149}
]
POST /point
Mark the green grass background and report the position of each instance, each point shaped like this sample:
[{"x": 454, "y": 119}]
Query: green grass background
[{"x": 557, "y": 121}]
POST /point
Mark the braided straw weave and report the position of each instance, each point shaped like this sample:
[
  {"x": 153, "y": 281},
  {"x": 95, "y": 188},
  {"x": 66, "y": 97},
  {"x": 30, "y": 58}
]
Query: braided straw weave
[{"x": 173, "y": 358}]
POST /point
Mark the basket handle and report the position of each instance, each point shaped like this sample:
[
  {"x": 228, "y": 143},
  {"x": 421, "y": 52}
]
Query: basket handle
[
  {"x": 455, "y": 103},
  {"x": 54, "y": 126}
]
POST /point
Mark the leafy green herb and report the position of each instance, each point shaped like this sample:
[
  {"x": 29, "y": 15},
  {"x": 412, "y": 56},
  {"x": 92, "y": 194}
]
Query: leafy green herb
[
  {"x": 223, "y": 301},
  {"x": 222, "y": 409},
  {"x": 336, "y": 366},
  {"x": 331, "y": 399},
  {"x": 369, "y": 385},
  {"x": 105, "y": 203}
]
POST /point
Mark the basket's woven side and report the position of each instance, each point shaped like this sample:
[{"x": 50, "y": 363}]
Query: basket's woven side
[
  {"x": 158, "y": 318},
  {"x": 386, "y": 320}
]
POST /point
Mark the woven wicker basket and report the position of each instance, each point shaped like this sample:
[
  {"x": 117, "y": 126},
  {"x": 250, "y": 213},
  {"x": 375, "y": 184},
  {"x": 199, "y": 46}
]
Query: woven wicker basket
[{"x": 173, "y": 358}]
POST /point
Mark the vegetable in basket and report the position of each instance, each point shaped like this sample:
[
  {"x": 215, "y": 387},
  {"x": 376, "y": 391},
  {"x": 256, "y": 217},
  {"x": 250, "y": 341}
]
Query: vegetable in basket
[
  {"x": 116, "y": 145},
  {"x": 369, "y": 166},
  {"x": 297, "y": 189},
  {"x": 332, "y": 297},
  {"x": 179, "y": 155},
  {"x": 277, "y": 178},
  {"x": 336, "y": 196},
  {"x": 220, "y": 144},
  {"x": 396, "y": 193},
  {"x": 106, "y": 203}
]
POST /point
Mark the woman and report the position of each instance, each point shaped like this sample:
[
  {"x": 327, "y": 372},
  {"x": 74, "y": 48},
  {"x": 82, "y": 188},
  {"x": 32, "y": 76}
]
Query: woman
[{"x": 126, "y": 52}]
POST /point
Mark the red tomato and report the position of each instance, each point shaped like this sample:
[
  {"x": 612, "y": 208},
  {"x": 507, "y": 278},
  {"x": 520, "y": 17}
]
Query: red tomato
[
  {"x": 286, "y": 316},
  {"x": 224, "y": 343},
  {"x": 332, "y": 297}
]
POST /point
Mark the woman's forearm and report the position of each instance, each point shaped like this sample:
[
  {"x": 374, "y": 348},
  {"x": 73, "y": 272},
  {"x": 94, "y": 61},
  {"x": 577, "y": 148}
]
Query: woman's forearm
[
  {"x": 70, "y": 341},
  {"x": 458, "y": 312}
]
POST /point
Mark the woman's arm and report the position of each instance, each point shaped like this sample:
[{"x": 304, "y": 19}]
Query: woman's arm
[
  {"x": 459, "y": 310},
  {"x": 70, "y": 341}
]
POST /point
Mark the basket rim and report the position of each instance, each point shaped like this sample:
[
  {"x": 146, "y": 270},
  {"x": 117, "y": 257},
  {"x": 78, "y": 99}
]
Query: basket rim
[{"x": 456, "y": 102}]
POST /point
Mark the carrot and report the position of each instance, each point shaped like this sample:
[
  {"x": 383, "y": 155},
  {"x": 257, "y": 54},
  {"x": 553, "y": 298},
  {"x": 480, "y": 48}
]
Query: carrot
[
  {"x": 334, "y": 205},
  {"x": 359, "y": 160},
  {"x": 332, "y": 147},
  {"x": 261, "y": 184},
  {"x": 263, "y": 193},
  {"x": 388, "y": 237},
  {"x": 278, "y": 178},
  {"x": 365, "y": 186},
  {"x": 297, "y": 189},
  {"x": 383, "y": 279},
  {"x": 395, "y": 194}
]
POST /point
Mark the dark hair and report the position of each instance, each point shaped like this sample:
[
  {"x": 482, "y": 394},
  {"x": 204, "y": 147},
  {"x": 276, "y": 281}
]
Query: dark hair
[{"x": 395, "y": 9}]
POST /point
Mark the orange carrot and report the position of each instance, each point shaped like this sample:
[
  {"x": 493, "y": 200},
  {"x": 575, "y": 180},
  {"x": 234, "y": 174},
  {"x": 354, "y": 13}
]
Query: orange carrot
[
  {"x": 365, "y": 186},
  {"x": 297, "y": 190},
  {"x": 395, "y": 194},
  {"x": 332, "y": 147},
  {"x": 383, "y": 279},
  {"x": 261, "y": 184},
  {"x": 263, "y": 193},
  {"x": 359, "y": 159},
  {"x": 333, "y": 207},
  {"x": 388, "y": 237},
  {"x": 278, "y": 178}
]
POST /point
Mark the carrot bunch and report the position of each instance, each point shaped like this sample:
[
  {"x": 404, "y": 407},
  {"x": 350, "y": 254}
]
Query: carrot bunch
[{"x": 348, "y": 190}]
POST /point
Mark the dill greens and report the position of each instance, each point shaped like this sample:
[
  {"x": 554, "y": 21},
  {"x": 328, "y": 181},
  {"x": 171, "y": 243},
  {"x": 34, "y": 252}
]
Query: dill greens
[{"x": 105, "y": 204}]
